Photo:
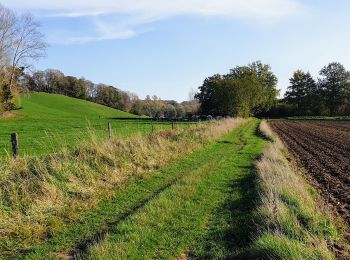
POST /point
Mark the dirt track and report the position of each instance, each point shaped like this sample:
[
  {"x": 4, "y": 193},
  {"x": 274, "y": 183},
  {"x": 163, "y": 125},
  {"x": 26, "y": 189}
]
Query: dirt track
[{"x": 323, "y": 149}]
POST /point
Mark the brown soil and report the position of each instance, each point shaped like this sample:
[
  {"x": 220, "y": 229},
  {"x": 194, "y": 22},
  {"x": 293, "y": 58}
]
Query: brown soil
[{"x": 323, "y": 149}]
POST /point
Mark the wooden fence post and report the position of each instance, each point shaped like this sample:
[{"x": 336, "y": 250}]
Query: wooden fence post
[
  {"x": 109, "y": 130},
  {"x": 152, "y": 127},
  {"x": 15, "y": 145}
]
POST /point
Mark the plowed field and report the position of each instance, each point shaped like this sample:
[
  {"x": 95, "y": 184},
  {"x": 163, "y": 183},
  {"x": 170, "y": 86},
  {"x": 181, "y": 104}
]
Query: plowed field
[{"x": 323, "y": 149}]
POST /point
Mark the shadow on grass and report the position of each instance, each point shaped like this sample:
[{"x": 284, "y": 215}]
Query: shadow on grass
[
  {"x": 224, "y": 142},
  {"x": 234, "y": 227},
  {"x": 262, "y": 135}
]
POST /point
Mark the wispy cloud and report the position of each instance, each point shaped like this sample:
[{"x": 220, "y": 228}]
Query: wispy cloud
[{"x": 141, "y": 12}]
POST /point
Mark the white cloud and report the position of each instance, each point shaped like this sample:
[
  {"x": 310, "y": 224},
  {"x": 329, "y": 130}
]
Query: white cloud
[
  {"x": 262, "y": 8},
  {"x": 140, "y": 12}
]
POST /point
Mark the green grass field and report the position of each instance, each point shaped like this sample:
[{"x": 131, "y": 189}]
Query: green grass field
[{"x": 47, "y": 122}]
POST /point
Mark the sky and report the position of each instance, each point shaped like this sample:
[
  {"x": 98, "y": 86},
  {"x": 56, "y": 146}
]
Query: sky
[{"x": 167, "y": 48}]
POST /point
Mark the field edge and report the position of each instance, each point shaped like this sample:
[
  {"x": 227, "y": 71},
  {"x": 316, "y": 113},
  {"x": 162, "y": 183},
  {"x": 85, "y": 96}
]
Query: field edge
[{"x": 293, "y": 221}]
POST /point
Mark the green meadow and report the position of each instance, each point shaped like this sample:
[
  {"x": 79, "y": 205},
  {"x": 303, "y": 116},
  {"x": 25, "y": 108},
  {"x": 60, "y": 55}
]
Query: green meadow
[{"x": 47, "y": 122}]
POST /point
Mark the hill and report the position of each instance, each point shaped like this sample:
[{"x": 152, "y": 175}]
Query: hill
[
  {"x": 45, "y": 122},
  {"x": 46, "y": 106}
]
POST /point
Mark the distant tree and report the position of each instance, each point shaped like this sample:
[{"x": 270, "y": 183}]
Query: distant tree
[
  {"x": 245, "y": 91},
  {"x": 55, "y": 82},
  {"x": 108, "y": 96},
  {"x": 233, "y": 95},
  {"x": 76, "y": 88},
  {"x": 301, "y": 92},
  {"x": 180, "y": 110},
  {"x": 125, "y": 101},
  {"x": 208, "y": 94},
  {"x": 137, "y": 108},
  {"x": 269, "y": 82},
  {"x": 190, "y": 108},
  {"x": 39, "y": 79},
  {"x": 334, "y": 87},
  {"x": 265, "y": 77},
  {"x": 170, "y": 111}
]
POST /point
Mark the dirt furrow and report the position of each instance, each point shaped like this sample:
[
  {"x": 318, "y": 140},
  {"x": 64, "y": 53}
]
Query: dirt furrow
[{"x": 321, "y": 147}]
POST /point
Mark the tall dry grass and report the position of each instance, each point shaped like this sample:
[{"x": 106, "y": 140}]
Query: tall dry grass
[
  {"x": 293, "y": 222},
  {"x": 39, "y": 196}
]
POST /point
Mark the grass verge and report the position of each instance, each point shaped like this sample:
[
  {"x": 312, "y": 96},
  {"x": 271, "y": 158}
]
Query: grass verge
[
  {"x": 292, "y": 221},
  {"x": 57, "y": 203},
  {"x": 203, "y": 214}
]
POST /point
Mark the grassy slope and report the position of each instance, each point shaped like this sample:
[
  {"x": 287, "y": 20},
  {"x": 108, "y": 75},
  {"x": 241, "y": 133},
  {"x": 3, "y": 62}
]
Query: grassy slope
[
  {"x": 48, "y": 121},
  {"x": 49, "y": 106},
  {"x": 204, "y": 214}
]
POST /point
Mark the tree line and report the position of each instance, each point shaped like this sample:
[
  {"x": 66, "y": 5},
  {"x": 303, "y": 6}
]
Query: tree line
[
  {"x": 54, "y": 81},
  {"x": 329, "y": 95},
  {"x": 252, "y": 91}
]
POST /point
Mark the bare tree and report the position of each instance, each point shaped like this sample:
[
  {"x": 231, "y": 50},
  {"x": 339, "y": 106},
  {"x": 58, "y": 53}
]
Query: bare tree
[
  {"x": 21, "y": 43},
  {"x": 192, "y": 94},
  {"x": 28, "y": 44},
  {"x": 7, "y": 33}
]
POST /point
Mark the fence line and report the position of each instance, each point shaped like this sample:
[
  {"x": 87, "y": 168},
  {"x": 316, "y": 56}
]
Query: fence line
[{"x": 53, "y": 137}]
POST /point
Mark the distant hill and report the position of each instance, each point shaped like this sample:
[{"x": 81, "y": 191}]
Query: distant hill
[{"x": 44, "y": 105}]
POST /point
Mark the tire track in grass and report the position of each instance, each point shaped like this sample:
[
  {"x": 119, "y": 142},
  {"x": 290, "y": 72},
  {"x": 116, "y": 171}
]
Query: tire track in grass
[
  {"x": 128, "y": 200},
  {"x": 208, "y": 199}
]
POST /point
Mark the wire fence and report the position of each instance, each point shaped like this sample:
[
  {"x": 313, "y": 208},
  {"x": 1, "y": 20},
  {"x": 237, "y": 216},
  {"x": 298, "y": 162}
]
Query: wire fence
[{"x": 41, "y": 140}]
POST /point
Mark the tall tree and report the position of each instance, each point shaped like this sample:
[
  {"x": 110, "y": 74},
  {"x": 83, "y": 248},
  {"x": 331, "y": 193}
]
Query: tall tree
[
  {"x": 20, "y": 44},
  {"x": 301, "y": 92},
  {"x": 334, "y": 86},
  {"x": 245, "y": 91},
  {"x": 208, "y": 93},
  {"x": 269, "y": 83},
  {"x": 265, "y": 77}
]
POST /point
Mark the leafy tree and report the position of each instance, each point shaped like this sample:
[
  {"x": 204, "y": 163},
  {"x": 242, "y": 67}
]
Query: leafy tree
[
  {"x": 108, "y": 96},
  {"x": 301, "y": 92},
  {"x": 169, "y": 111},
  {"x": 334, "y": 86},
  {"x": 54, "y": 81},
  {"x": 208, "y": 94},
  {"x": 265, "y": 77},
  {"x": 246, "y": 90},
  {"x": 269, "y": 82}
]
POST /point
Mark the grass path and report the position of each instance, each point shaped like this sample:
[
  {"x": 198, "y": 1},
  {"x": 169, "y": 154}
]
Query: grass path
[
  {"x": 199, "y": 206},
  {"x": 205, "y": 214}
]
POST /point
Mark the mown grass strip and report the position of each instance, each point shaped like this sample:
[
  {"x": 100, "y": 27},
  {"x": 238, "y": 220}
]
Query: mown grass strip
[{"x": 183, "y": 216}]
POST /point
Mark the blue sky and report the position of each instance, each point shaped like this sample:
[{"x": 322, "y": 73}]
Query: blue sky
[{"x": 167, "y": 48}]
